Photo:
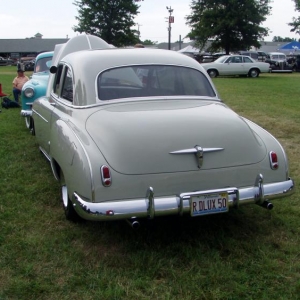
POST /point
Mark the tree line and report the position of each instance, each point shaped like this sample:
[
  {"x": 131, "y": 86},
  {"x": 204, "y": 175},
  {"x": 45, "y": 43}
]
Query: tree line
[{"x": 228, "y": 24}]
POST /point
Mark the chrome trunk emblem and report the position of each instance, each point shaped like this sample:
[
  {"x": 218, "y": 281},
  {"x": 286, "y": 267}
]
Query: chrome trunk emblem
[
  {"x": 198, "y": 151},
  {"x": 199, "y": 155}
]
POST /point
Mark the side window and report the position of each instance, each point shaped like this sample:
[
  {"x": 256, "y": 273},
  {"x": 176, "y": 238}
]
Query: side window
[
  {"x": 67, "y": 88},
  {"x": 229, "y": 60},
  {"x": 57, "y": 82},
  {"x": 247, "y": 59},
  {"x": 237, "y": 60}
]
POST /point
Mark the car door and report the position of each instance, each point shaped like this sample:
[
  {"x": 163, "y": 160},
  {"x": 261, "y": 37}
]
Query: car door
[
  {"x": 233, "y": 66},
  {"x": 43, "y": 109},
  {"x": 248, "y": 64},
  {"x": 63, "y": 97}
]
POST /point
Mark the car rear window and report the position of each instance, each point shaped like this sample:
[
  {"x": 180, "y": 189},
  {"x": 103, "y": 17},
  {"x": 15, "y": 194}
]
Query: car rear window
[{"x": 152, "y": 80}]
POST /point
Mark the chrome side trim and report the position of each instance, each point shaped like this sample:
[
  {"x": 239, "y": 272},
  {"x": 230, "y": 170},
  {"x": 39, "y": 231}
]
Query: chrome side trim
[
  {"x": 49, "y": 158},
  {"x": 34, "y": 111},
  {"x": 176, "y": 204},
  {"x": 45, "y": 153}
]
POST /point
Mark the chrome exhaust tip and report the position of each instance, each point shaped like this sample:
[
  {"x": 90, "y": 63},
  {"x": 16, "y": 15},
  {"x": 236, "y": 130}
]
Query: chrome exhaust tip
[
  {"x": 267, "y": 205},
  {"x": 133, "y": 223}
]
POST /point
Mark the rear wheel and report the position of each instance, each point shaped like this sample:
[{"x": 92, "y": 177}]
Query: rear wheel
[
  {"x": 253, "y": 73},
  {"x": 212, "y": 73},
  {"x": 70, "y": 212}
]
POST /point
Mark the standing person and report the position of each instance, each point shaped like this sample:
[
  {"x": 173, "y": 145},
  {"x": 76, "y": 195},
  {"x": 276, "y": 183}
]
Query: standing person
[{"x": 18, "y": 83}]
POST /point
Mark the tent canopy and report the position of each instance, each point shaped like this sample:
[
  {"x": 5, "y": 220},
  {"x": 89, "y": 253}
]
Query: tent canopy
[
  {"x": 189, "y": 49},
  {"x": 292, "y": 47}
]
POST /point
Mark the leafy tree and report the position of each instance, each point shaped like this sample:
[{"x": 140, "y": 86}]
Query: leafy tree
[
  {"x": 229, "y": 24},
  {"x": 296, "y": 21},
  {"x": 281, "y": 39},
  {"x": 148, "y": 42},
  {"x": 111, "y": 20}
]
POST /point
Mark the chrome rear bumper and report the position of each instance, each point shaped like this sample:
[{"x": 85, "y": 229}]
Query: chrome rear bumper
[{"x": 150, "y": 207}]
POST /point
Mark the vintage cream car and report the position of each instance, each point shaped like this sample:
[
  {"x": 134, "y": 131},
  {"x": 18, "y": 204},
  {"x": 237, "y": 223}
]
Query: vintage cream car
[{"x": 141, "y": 133}]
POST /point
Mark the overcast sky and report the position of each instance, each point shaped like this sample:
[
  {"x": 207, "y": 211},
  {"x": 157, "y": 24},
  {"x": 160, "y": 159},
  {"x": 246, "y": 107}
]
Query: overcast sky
[{"x": 55, "y": 19}]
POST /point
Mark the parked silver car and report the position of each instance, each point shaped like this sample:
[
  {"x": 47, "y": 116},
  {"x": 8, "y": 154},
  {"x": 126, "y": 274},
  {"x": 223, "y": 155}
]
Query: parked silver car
[{"x": 142, "y": 133}]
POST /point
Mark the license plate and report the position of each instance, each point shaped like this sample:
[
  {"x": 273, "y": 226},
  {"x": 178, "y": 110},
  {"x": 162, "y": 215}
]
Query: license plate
[{"x": 206, "y": 204}]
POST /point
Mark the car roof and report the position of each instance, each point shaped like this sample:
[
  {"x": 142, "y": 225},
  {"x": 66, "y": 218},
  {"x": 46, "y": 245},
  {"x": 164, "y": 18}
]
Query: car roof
[
  {"x": 231, "y": 55},
  {"x": 44, "y": 54},
  {"x": 114, "y": 57},
  {"x": 276, "y": 53},
  {"x": 245, "y": 51},
  {"x": 86, "y": 65}
]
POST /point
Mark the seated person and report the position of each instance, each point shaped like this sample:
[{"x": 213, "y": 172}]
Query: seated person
[{"x": 18, "y": 83}]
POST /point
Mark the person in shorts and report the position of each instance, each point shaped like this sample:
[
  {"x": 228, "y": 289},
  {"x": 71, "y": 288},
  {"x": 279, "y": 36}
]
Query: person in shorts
[{"x": 18, "y": 83}]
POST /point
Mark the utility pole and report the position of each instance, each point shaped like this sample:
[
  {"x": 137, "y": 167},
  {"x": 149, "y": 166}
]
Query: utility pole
[
  {"x": 180, "y": 42},
  {"x": 171, "y": 20},
  {"x": 139, "y": 33}
]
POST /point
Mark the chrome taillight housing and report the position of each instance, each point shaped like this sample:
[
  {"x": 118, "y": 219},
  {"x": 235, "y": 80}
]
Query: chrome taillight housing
[
  {"x": 105, "y": 176},
  {"x": 273, "y": 160}
]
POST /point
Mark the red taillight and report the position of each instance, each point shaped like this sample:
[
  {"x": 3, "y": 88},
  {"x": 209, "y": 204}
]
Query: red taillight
[
  {"x": 273, "y": 160},
  {"x": 105, "y": 176}
]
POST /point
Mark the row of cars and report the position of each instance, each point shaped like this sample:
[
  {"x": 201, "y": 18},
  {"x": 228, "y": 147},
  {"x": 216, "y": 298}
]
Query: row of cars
[
  {"x": 6, "y": 61},
  {"x": 143, "y": 133},
  {"x": 248, "y": 65},
  {"x": 26, "y": 63}
]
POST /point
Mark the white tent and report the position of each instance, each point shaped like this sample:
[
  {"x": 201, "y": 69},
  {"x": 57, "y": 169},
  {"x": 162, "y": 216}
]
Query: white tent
[{"x": 189, "y": 49}]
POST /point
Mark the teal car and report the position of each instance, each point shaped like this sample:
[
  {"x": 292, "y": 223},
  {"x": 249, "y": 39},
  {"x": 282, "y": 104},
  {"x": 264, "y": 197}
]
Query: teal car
[{"x": 36, "y": 86}]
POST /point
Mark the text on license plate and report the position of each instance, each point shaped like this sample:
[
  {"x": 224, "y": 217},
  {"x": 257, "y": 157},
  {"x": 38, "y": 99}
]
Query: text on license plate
[{"x": 209, "y": 204}]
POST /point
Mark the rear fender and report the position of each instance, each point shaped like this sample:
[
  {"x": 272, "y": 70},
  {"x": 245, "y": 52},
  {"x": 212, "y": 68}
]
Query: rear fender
[{"x": 68, "y": 153}]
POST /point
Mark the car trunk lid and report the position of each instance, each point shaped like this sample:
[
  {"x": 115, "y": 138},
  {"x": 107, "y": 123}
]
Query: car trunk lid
[{"x": 170, "y": 136}]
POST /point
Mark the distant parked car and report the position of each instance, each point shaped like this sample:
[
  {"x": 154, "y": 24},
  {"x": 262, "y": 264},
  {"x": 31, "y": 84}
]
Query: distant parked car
[
  {"x": 236, "y": 65},
  {"x": 276, "y": 56},
  {"x": 6, "y": 61},
  {"x": 36, "y": 86},
  {"x": 29, "y": 65},
  {"x": 278, "y": 62},
  {"x": 262, "y": 55},
  {"x": 211, "y": 57},
  {"x": 294, "y": 62},
  {"x": 143, "y": 133},
  {"x": 252, "y": 54}
]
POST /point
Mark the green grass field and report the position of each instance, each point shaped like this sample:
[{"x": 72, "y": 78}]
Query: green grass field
[{"x": 250, "y": 253}]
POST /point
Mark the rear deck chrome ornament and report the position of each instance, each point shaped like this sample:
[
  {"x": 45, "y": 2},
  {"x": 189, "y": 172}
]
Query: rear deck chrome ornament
[{"x": 198, "y": 151}]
